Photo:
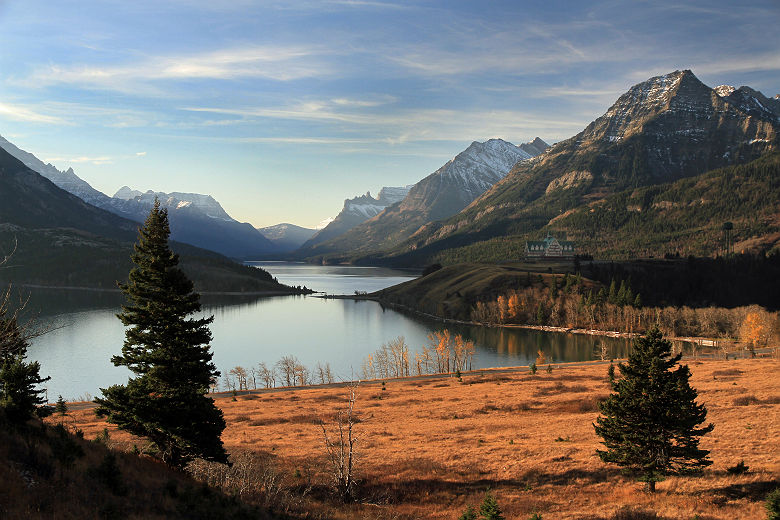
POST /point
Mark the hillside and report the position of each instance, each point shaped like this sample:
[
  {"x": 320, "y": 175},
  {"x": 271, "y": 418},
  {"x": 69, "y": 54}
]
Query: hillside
[
  {"x": 661, "y": 132},
  {"x": 453, "y": 291},
  {"x": 428, "y": 448},
  {"x": 55, "y": 473}
]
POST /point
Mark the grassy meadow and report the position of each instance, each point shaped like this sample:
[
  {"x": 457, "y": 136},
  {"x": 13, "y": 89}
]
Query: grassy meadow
[{"x": 428, "y": 448}]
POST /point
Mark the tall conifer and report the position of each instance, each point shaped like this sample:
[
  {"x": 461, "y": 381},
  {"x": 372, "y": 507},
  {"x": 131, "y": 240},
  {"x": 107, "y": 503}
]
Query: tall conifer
[
  {"x": 651, "y": 423},
  {"x": 168, "y": 352}
]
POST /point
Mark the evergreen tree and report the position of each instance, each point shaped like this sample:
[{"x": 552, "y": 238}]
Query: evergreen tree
[
  {"x": 165, "y": 400},
  {"x": 554, "y": 288},
  {"x": 650, "y": 422},
  {"x": 489, "y": 509},
  {"x": 612, "y": 298},
  {"x": 61, "y": 407},
  {"x": 468, "y": 514},
  {"x": 20, "y": 396}
]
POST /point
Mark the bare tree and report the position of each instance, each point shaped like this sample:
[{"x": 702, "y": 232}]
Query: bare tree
[
  {"x": 301, "y": 374},
  {"x": 254, "y": 374},
  {"x": 240, "y": 374},
  {"x": 323, "y": 373},
  {"x": 287, "y": 366},
  {"x": 267, "y": 375},
  {"x": 340, "y": 447}
]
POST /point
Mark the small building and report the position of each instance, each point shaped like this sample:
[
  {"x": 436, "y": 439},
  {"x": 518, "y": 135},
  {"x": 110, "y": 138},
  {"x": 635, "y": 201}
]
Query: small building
[{"x": 550, "y": 247}]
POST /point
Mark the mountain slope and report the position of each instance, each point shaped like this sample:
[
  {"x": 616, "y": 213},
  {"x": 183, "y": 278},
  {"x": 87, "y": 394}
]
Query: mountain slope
[
  {"x": 287, "y": 237},
  {"x": 439, "y": 195},
  {"x": 664, "y": 129},
  {"x": 356, "y": 211}
]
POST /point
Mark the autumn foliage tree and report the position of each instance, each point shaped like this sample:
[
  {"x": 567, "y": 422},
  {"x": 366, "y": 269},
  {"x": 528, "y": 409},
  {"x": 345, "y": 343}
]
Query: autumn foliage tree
[
  {"x": 169, "y": 355},
  {"x": 757, "y": 328}
]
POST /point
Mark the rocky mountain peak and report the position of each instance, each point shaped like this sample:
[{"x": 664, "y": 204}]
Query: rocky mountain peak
[
  {"x": 724, "y": 90},
  {"x": 535, "y": 147}
]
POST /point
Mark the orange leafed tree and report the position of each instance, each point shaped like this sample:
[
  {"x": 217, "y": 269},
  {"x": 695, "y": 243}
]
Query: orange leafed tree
[{"x": 757, "y": 328}]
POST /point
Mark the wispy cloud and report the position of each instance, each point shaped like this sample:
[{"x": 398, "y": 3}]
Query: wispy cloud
[
  {"x": 100, "y": 160},
  {"x": 24, "y": 113},
  {"x": 279, "y": 63}
]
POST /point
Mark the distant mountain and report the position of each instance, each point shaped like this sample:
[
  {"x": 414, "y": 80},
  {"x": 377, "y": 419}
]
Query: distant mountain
[
  {"x": 195, "y": 219},
  {"x": 356, "y": 211},
  {"x": 439, "y": 195},
  {"x": 51, "y": 237},
  {"x": 667, "y": 128},
  {"x": 287, "y": 237}
]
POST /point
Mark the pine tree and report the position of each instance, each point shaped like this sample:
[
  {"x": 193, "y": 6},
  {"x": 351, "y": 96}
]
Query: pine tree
[
  {"x": 468, "y": 514},
  {"x": 165, "y": 400},
  {"x": 650, "y": 422},
  {"x": 489, "y": 509},
  {"x": 61, "y": 407},
  {"x": 20, "y": 396}
]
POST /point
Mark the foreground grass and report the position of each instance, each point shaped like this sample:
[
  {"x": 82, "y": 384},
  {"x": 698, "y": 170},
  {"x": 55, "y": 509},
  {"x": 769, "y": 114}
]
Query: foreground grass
[{"x": 429, "y": 448}]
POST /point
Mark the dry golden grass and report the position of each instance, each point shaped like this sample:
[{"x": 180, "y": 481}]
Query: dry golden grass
[{"x": 429, "y": 448}]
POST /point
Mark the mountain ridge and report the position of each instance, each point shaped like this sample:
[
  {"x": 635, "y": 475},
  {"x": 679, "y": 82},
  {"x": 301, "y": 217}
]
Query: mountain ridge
[{"x": 438, "y": 195}]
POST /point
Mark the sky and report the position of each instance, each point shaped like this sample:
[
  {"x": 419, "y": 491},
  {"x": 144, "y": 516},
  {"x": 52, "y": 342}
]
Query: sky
[{"x": 282, "y": 109}]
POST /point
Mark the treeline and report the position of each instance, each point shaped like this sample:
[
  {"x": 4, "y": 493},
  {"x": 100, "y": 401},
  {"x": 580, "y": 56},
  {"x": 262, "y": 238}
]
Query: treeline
[
  {"x": 443, "y": 354},
  {"x": 567, "y": 302},
  {"x": 288, "y": 371},
  {"x": 737, "y": 280}
]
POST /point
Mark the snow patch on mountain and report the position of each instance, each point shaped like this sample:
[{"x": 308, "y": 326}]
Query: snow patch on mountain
[{"x": 481, "y": 165}]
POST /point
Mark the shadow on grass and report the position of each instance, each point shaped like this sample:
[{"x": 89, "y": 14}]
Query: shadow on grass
[
  {"x": 753, "y": 491},
  {"x": 413, "y": 489}
]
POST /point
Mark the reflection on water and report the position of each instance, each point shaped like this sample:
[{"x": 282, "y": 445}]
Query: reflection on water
[{"x": 249, "y": 330}]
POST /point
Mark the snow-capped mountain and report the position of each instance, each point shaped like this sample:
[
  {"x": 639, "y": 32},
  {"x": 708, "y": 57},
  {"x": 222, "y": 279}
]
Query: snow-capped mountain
[
  {"x": 194, "y": 218},
  {"x": 439, "y": 195},
  {"x": 130, "y": 201},
  {"x": 357, "y": 210}
]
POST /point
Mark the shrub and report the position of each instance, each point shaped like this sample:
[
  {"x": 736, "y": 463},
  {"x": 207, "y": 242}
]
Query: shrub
[
  {"x": 738, "y": 469},
  {"x": 532, "y": 368},
  {"x": 468, "y": 514},
  {"x": 773, "y": 505},
  {"x": 109, "y": 474}
]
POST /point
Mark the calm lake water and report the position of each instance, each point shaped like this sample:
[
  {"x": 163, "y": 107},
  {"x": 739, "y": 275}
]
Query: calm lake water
[{"x": 84, "y": 331}]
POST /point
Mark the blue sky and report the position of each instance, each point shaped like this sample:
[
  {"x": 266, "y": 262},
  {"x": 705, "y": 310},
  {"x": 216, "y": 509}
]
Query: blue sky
[{"x": 281, "y": 110}]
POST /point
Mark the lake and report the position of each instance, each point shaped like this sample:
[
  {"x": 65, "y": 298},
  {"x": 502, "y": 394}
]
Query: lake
[{"x": 83, "y": 331}]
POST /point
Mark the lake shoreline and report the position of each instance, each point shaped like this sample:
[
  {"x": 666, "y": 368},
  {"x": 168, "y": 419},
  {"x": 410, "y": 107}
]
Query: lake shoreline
[{"x": 702, "y": 341}]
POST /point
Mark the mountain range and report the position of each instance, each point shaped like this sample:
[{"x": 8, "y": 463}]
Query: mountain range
[
  {"x": 439, "y": 195},
  {"x": 665, "y": 145},
  {"x": 51, "y": 237},
  {"x": 195, "y": 219}
]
